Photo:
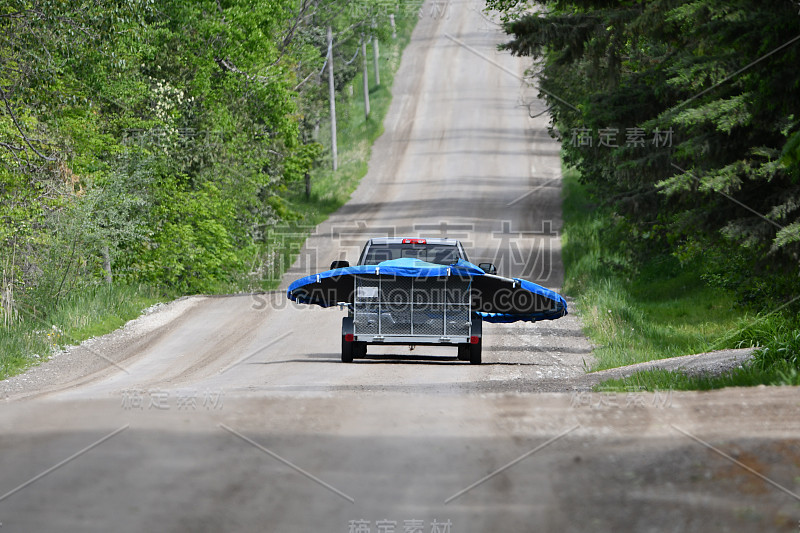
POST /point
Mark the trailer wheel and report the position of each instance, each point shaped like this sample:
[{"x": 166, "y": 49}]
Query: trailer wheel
[
  {"x": 475, "y": 349},
  {"x": 475, "y": 352},
  {"x": 347, "y": 346},
  {"x": 463, "y": 352},
  {"x": 347, "y": 351},
  {"x": 359, "y": 349}
]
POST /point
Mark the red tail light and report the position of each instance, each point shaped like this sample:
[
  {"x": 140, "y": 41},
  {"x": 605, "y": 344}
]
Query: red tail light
[
  {"x": 414, "y": 241},
  {"x": 474, "y": 339},
  {"x": 349, "y": 337}
]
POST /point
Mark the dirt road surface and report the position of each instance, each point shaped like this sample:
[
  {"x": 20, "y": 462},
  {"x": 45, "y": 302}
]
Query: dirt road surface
[{"x": 235, "y": 413}]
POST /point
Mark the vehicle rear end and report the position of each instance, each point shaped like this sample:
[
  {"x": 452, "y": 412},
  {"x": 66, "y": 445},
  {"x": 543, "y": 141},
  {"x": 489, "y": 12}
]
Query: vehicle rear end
[{"x": 397, "y": 310}]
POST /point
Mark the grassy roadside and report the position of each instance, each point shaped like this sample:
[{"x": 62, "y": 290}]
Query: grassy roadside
[
  {"x": 103, "y": 308},
  {"x": 80, "y": 316},
  {"x": 639, "y": 307}
]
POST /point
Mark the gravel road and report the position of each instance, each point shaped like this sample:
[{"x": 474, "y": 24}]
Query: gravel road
[{"x": 235, "y": 414}]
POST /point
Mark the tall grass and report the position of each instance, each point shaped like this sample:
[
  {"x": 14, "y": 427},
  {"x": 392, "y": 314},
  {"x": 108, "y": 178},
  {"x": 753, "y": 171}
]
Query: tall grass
[
  {"x": 79, "y": 316},
  {"x": 636, "y": 310},
  {"x": 659, "y": 380},
  {"x": 776, "y": 362},
  {"x": 640, "y": 307}
]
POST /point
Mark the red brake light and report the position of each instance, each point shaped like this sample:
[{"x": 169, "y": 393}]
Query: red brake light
[
  {"x": 349, "y": 337},
  {"x": 414, "y": 241},
  {"x": 474, "y": 339}
]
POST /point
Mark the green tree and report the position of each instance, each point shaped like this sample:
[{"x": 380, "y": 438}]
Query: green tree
[{"x": 720, "y": 79}]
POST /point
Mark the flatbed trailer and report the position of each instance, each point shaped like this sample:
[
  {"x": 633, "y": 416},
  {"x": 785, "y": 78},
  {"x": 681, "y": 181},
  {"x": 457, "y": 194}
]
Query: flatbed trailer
[{"x": 396, "y": 310}]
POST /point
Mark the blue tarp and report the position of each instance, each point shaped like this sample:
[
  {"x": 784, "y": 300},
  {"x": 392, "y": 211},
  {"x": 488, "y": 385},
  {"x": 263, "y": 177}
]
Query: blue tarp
[{"x": 496, "y": 299}]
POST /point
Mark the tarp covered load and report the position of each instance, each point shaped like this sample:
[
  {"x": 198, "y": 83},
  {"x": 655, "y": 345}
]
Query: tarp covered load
[{"x": 493, "y": 298}]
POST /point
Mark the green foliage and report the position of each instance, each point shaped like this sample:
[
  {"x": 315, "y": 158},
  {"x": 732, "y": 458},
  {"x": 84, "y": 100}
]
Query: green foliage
[
  {"x": 158, "y": 143},
  {"x": 639, "y": 306},
  {"x": 776, "y": 362},
  {"x": 158, "y": 137},
  {"x": 779, "y": 344},
  {"x": 330, "y": 190},
  {"x": 192, "y": 246},
  {"x": 661, "y": 380},
  {"x": 790, "y": 156},
  {"x": 298, "y": 165},
  {"x": 636, "y": 305},
  {"x": 720, "y": 76}
]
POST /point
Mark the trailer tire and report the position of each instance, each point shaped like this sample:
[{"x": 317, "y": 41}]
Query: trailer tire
[
  {"x": 347, "y": 346},
  {"x": 347, "y": 351},
  {"x": 463, "y": 352},
  {"x": 475, "y": 353},
  {"x": 475, "y": 349},
  {"x": 360, "y": 349}
]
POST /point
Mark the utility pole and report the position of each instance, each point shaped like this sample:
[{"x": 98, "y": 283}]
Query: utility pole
[
  {"x": 332, "y": 98},
  {"x": 375, "y": 60},
  {"x": 394, "y": 29},
  {"x": 366, "y": 77}
]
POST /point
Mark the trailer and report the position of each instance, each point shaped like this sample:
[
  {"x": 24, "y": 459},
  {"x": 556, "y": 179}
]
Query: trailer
[
  {"x": 398, "y": 310},
  {"x": 414, "y": 291}
]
